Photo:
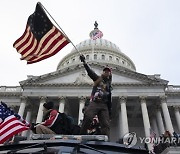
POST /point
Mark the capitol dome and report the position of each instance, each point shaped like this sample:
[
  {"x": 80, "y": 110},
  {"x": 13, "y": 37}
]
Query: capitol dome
[{"x": 97, "y": 50}]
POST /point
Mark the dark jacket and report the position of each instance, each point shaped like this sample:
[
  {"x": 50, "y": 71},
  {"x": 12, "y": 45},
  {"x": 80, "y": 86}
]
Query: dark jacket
[
  {"x": 61, "y": 124},
  {"x": 52, "y": 119},
  {"x": 107, "y": 82}
]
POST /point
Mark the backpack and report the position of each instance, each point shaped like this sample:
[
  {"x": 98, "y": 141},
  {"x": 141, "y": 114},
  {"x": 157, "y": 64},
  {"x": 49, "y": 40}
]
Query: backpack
[
  {"x": 64, "y": 124},
  {"x": 67, "y": 126}
]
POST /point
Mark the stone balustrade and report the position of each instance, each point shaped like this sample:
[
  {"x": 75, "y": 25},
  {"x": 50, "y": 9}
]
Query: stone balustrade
[
  {"x": 172, "y": 88},
  {"x": 10, "y": 89}
]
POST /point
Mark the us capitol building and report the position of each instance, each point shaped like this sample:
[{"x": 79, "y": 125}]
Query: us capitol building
[{"x": 139, "y": 101}]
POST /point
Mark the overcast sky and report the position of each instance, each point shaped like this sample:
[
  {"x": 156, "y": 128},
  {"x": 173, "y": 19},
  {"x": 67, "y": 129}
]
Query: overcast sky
[{"x": 147, "y": 31}]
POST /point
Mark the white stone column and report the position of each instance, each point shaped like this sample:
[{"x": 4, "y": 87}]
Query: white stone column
[
  {"x": 124, "y": 120},
  {"x": 166, "y": 115},
  {"x": 145, "y": 117},
  {"x": 146, "y": 120},
  {"x": 40, "y": 111},
  {"x": 154, "y": 125},
  {"x": 28, "y": 118},
  {"x": 120, "y": 123},
  {"x": 177, "y": 115},
  {"x": 22, "y": 106},
  {"x": 160, "y": 121},
  {"x": 81, "y": 106},
  {"x": 61, "y": 104}
]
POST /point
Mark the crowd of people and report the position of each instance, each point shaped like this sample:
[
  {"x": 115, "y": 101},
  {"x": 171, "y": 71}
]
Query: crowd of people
[
  {"x": 166, "y": 140},
  {"x": 96, "y": 114}
]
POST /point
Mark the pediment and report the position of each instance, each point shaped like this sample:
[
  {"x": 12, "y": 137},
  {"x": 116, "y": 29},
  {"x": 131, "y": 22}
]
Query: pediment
[{"x": 78, "y": 75}]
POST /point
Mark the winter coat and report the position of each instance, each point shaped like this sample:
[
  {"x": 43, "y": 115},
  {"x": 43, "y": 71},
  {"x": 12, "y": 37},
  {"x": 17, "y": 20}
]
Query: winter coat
[
  {"x": 97, "y": 88},
  {"x": 52, "y": 120}
]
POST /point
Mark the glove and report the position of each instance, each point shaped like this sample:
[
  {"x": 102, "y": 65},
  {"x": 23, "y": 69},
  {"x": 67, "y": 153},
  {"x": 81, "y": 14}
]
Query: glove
[{"x": 82, "y": 58}]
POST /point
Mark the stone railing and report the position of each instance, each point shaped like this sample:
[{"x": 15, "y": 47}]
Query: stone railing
[
  {"x": 10, "y": 89},
  {"x": 172, "y": 88}
]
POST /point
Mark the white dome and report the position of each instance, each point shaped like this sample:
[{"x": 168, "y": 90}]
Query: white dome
[
  {"x": 97, "y": 44},
  {"x": 97, "y": 51}
]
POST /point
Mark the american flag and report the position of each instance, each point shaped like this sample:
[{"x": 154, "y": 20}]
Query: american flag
[
  {"x": 10, "y": 123},
  {"x": 96, "y": 34},
  {"x": 41, "y": 38},
  {"x": 5, "y": 111}
]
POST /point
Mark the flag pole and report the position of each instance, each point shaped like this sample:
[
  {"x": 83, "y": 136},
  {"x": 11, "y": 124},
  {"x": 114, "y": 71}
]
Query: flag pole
[{"x": 60, "y": 28}]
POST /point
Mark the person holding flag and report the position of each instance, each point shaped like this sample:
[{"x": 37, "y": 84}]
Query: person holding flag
[
  {"x": 10, "y": 123},
  {"x": 100, "y": 101}
]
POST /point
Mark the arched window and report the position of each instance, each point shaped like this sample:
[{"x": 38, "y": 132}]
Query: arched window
[
  {"x": 110, "y": 58},
  {"x": 117, "y": 59},
  {"x": 87, "y": 57},
  {"x": 103, "y": 57},
  {"x": 73, "y": 59},
  {"x": 95, "y": 56}
]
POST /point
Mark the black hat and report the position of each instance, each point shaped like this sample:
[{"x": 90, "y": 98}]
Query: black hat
[
  {"x": 48, "y": 105},
  {"x": 107, "y": 69}
]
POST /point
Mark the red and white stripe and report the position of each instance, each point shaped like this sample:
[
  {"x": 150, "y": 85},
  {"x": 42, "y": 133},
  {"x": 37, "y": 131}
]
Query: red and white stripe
[
  {"x": 97, "y": 35},
  {"x": 33, "y": 50},
  {"x": 52, "y": 119},
  {"x": 10, "y": 127}
]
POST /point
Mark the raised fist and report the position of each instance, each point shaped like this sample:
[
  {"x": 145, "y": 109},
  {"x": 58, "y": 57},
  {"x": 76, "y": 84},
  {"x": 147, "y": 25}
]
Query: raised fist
[{"x": 82, "y": 58}]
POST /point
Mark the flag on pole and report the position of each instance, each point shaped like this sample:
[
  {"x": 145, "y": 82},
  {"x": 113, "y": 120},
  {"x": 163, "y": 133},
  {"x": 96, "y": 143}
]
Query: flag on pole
[
  {"x": 96, "y": 34},
  {"x": 41, "y": 38},
  {"x": 10, "y": 123}
]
